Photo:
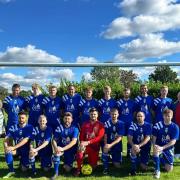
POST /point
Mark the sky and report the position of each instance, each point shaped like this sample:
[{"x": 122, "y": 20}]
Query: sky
[{"x": 85, "y": 31}]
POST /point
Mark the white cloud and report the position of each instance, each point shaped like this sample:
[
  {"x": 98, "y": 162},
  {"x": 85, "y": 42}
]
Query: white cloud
[
  {"x": 145, "y": 17},
  {"x": 42, "y": 76},
  {"x": 87, "y": 76},
  {"x": 148, "y": 46},
  {"x": 28, "y": 54},
  {"x": 83, "y": 59}
]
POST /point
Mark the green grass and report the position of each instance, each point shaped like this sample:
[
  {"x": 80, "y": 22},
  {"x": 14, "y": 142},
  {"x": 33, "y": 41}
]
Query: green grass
[{"x": 116, "y": 174}]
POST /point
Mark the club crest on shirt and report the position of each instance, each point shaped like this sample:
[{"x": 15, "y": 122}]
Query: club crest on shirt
[{"x": 42, "y": 134}]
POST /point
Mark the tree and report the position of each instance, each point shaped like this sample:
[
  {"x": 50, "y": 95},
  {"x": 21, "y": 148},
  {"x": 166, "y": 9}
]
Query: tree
[
  {"x": 109, "y": 74},
  {"x": 3, "y": 92},
  {"x": 127, "y": 78},
  {"x": 164, "y": 74}
]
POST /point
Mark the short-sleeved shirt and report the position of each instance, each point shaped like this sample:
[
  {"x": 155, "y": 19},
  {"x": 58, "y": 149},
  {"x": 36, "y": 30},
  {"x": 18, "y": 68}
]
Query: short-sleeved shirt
[
  {"x": 13, "y": 105},
  {"x": 165, "y": 133}
]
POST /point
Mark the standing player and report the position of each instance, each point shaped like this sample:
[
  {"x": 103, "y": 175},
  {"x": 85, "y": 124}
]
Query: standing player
[
  {"x": 114, "y": 131},
  {"x": 162, "y": 103},
  {"x": 34, "y": 105},
  {"x": 65, "y": 142},
  {"x": 13, "y": 104},
  {"x": 71, "y": 103},
  {"x": 42, "y": 137},
  {"x": 1, "y": 120},
  {"x": 126, "y": 108},
  {"x": 144, "y": 103},
  {"x": 139, "y": 138},
  {"x": 106, "y": 104},
  {"x": 177, "y": 120},
  {"x": 165, "y": 134},
  {"x": 86, "y": 104},
  {"x": 20, "y": 133},
  {"x": 91, "y": 134},
  {"x": 52, "y": 105}
]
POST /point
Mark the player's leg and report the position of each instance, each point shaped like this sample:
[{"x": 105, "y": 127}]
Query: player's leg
[
  {"x": 105, "y": 160},
  {"x": 144, "y": 158},
  {"x": 56, "y": 160},
  {"x": 46, "y": 162},
  {"x": 93, "y": 156},
  {"x": 24, "y": 160},
  {"x": 168, "y": 157},
  {"x": 32, "y": 161},
  {"x": 133, "y": 156},
  {"x": 156, "y": 160},
  {"x": 116, "y": 153},
  {"x": 69, "y": 157}
]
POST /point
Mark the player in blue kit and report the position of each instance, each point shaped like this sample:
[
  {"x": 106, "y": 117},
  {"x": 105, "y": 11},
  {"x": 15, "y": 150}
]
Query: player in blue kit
[
  {"x": 161, "y": 103},
  {"x": 65, "y": 142},
  {"x": 106, "y": 104},
  {"x": 126, "y": 108},
  {"x": 86, "y": 104},
  {"x": 52, "y": 108},
  {"x": 21, "y": 134},
  {"x": 165, "y": 133},
  {"x": 114, "y": 131},
  {"x": 42, "y": 135},
  {"x": 13, "y": 104},
  {"x": 144, "y": 103},
  {"x": 34, "y": 105},
  {"x": 139, "y": 138},
  {"x": 71, "y": 102}
]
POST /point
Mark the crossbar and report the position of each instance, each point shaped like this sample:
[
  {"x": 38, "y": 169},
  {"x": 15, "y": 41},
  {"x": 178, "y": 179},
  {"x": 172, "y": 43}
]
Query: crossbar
[{"x": 3, "y": 64}]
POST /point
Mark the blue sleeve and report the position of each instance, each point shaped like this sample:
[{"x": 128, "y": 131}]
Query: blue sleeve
[
  {"x": 175, "y": 133},
  {"x": 76, "y": 133},
  {"x": 130, "y": 132},
  {"x": 28, "y": 132}
]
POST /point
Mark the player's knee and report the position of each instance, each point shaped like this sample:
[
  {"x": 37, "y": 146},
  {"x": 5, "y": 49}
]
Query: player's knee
[
  {"x": 117, "y": 165},
  {"x": 168, "y": 168},
  {"x": 105, "y": 157},
  {"x": 67, "y": 168},
  {"x": 31, "y": 160},
  {"x": 79, "y": 155}
]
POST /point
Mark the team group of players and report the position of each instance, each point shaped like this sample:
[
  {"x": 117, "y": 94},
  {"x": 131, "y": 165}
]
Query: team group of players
[{"x": 72, "y": 127}]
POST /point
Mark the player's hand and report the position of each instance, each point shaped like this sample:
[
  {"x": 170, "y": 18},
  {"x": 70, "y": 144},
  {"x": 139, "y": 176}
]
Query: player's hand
[
  {"x": 136, "y": 148},
  {"x": 158, "y": 148},
  {"x": 84, "y": 143},
  {"x": 107, "y": 147},
  {"x": 10, "y": 149}
]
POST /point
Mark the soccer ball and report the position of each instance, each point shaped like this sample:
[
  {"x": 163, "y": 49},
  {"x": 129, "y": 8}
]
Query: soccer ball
[{"x": 86, "y": 169}]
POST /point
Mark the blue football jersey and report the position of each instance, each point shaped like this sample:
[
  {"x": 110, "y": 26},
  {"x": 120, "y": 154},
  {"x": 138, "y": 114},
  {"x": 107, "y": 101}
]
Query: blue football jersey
[
  {"x": 113, "y": 131},
  {"x": 39, "y": 136},
  {"x": 63, "y": 135},
  {"x": 139, "y": 132},
  {"x": 126, "y": 110},
  {"x": 105, "y": 107},
  {"x": 145, "y": 104},
  {"x": 19, "y": 133},
  {"x": 71, "y": 104},
  {"x": 165, "y": 133},
  {"x": 84, "y": 107},
  {"x": 12, "y": 106},
  {"x": 160, "y": 104},
  {"x": 34, "y": 104},
  {"x": 52, "y": 108}
]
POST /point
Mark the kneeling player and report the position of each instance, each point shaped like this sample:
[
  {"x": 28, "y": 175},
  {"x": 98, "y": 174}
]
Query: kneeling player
[
  {"x": 42, "y": 136},
  {"x": 114, "y": 131},
  {"x": 139, "y": 138},
  {"x": 64, "y": 142},
  {"x": 165, "y": 134},
  {"x": 91, "y": 134},
  {"x": 21, "y": 134}
]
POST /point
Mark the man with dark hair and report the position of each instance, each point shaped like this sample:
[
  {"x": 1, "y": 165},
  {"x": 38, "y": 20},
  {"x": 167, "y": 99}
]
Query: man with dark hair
[
  {"x": 91, "y": 134},
  {"x": 13, "y": 104},
  {"x": 21, "y": 134}
]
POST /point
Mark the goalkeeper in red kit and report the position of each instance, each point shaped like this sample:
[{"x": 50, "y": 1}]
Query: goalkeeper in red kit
[{"x": 91, "y": 134}]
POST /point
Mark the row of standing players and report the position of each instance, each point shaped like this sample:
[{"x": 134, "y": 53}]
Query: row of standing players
[{"x": 72, "y": 102}]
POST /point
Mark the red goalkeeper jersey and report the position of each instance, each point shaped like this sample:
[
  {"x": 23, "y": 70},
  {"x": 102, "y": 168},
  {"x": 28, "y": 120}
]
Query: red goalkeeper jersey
[{"x": 92, "y": 132}]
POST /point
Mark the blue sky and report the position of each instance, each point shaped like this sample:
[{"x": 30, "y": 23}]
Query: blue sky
[{"x": 85, "y": 31}]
